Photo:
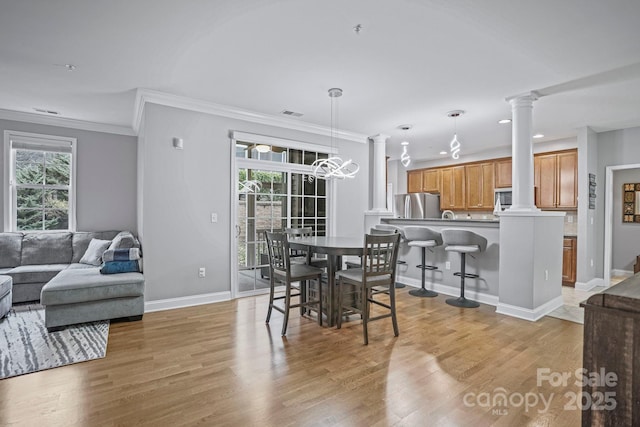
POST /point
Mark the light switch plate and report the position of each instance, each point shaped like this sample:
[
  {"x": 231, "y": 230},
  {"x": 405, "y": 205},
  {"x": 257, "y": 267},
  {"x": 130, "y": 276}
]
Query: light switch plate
[{"x": 214, "y": 217}]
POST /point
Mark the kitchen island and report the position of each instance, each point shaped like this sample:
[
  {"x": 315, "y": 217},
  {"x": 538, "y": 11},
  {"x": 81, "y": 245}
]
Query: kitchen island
[{"x": 484, "y": 289}]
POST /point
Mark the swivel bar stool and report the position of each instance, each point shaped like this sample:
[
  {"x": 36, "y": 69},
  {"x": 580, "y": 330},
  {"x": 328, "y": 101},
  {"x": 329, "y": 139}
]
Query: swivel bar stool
[
  {"x": 392, "y": 228},
  {"x": 423, "y": 237},
  {"x": 464, "y": 242}
]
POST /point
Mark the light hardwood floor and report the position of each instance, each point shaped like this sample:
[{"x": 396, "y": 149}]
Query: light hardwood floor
[{"x": 221, "y": 365}]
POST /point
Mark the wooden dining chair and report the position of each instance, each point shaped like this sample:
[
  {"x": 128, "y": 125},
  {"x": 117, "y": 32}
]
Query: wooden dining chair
[
  {"x": 307, "y": 256},
  {"x": 283, "y": 270},
  {"x": 379, "y": 256}
]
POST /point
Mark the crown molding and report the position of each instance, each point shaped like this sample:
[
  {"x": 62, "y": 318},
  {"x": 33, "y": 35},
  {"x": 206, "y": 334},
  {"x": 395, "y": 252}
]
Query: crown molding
[
  {"x": 21, "y": 116},
  {"x": 144, "y": 96}
]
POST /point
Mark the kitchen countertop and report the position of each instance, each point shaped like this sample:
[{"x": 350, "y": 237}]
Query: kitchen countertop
[{"x": 484, "y": 221}]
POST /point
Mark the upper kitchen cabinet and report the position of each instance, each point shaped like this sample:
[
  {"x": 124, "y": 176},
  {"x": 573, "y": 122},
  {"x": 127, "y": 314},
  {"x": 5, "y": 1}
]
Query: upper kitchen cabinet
[
  {"x": 452, "y": 190},
  {"x": 414, "y": 181},
  {"x": 431, "y": 180},
  {"x": 555, "y": 177},
  {"x": 503, "y": 173},
  {"x": 479, "y": 185}
]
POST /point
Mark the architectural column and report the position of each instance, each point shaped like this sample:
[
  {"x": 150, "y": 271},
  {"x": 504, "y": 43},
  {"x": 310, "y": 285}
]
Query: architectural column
[
  {"x": 378, "y": 178},
  {"x": 522, "y": 149},
  {"x": 378, "y": 183}
]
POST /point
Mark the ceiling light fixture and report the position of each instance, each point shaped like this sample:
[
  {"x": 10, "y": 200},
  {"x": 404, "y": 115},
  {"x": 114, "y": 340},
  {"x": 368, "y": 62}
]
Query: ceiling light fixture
[
  {"x": 70, "y": 67},
  {"x": 538, "y": 135},
  {"x": 405, "y": 159},
  {"x": 262, "y": 148},
  {"x": 333, "y": 167},
  {"x": 357, "y": 29},
  {"x": 504, "y": 121},
  {"x": 455, "y": 144}
]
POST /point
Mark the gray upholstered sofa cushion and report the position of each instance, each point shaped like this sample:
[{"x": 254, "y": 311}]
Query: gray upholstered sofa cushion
[
  {"x": 5, "y": 285},
  {"x": 78, "y": 285},
  {"x": 10, "y": 249},
  {"x": 35, "y": 273},
  {"x": 46, "y": 248}
]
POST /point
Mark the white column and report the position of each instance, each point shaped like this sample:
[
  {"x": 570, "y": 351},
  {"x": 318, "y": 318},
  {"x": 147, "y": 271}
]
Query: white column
[
  {"x": 522, "y": 148},
  {"x": 378, "y": 180}
]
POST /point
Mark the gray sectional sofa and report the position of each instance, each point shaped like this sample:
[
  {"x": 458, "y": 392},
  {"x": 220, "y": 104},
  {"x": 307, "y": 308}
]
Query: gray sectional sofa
[{"x": 46, "y": 266}]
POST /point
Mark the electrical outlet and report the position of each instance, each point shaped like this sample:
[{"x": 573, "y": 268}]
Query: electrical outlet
[
  {"x": 570, "y": 219},
  {"x": 591, "y": 262},
  {"x": 447, "y": 265},
  {"x": 591, "y": 220},
  {"x": 546, "y": 275},
  {"x": 214, "y": 217},
  {"x": 202, "y": 272}
]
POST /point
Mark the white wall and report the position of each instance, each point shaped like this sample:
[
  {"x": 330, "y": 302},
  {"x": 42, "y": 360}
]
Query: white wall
[
  {"x": 625, "y": 236},
  {"x": 180, "y": 189},
  {"x": 106, "y": 184}
]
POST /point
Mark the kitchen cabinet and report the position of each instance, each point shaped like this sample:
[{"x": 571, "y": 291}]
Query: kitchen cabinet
[
  {"x": 431, "y": 181},
  {"x": 479, "y": 185},
  {"x": 414, "y": 181},
  {"x": 555, "y": 177},
  {"x": 569, "y": 258},
  {"x": 452, "y": 189},
  {"x": 503, "y": 173},
  {"x": 567, "y": 187}
]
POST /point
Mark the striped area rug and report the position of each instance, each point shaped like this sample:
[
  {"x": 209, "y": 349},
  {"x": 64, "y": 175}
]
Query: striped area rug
[{"x": 26, "y": 346}]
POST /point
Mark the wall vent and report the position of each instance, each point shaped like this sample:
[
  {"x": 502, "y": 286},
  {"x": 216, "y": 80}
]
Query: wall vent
[
  {"x": 42, "y": 110},
  {"x": 291, "y": 113}
]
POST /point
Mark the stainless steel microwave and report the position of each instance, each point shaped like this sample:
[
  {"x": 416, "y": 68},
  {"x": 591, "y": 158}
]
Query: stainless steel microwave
[{"x": 504, "y": 195}]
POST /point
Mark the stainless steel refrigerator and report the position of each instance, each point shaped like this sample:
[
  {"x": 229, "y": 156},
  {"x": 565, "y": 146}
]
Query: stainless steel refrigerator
[{"x": 416, "y": 205}]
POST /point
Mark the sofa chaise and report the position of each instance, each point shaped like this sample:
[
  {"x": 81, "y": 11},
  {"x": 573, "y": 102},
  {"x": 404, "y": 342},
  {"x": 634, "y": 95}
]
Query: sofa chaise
[{"x": 46, "y": 266}]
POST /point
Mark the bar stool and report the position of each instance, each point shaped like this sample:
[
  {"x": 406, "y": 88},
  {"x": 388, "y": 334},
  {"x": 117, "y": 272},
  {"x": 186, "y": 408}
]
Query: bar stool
[
  {"x": 464, "y": 242},
  {"x": 393, "y": 228},
  {"x": 423, "y": 237}
]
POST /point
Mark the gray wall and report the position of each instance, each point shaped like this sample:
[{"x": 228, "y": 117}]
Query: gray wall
[
  {"x": 106, "y": 182},
  {"x": 180, "y": 189},
  {"x": 588, "y": 247},
  {"x": 626, "y": 236},
  {"x": 618, "y": 147}
]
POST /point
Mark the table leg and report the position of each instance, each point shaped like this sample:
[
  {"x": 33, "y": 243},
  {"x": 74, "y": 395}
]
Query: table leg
[{"x": 334, "y": 263}]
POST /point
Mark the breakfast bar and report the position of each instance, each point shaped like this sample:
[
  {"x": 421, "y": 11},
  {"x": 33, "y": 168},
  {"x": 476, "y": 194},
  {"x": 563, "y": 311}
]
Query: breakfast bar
[{"x": 484, "y": 289}]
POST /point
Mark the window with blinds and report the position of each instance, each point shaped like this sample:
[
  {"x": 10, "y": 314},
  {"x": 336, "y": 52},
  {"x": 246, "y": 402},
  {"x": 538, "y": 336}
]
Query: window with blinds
[{"x": 41, "y": 185}]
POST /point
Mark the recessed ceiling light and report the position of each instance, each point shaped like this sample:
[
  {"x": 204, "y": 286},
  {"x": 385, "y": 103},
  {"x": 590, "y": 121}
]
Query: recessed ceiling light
[
  {"x": 538, "y": 135},
  {"x": 443, "y": 153},
  {"x": 504, "y": 121}
]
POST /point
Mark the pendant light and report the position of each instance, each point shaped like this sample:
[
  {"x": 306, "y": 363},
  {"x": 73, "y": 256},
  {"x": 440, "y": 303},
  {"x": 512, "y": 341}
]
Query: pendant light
[
  {"x": 334, "y": 167},
  {"x": 405, "y": 158},
  {"x": 455, "y": 144}
]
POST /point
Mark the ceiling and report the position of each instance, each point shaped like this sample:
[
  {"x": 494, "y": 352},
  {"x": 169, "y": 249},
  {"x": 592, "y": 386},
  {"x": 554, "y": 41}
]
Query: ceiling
[{"x": 413, "y": 61}]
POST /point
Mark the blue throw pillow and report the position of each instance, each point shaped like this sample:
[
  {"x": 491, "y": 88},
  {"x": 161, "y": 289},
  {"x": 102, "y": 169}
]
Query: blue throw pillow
[{"x": 114, "y": 267}]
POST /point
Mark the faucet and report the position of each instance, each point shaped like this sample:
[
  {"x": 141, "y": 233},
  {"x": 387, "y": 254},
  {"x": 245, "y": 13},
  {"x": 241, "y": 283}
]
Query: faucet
[{"x": 448, "y": 215}]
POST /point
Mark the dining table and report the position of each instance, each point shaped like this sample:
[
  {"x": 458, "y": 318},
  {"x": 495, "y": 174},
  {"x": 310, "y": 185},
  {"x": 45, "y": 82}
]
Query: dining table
[{"x": 335, "y": 247}]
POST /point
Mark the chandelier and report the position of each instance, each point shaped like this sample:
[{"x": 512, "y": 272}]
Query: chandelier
[
  {"x": 455, "y": 144},
  {"x": 333, "y": 167}
]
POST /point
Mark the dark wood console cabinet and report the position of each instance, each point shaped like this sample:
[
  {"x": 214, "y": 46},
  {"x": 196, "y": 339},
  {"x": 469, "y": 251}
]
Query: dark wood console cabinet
[{"x": 612, "y": 345}]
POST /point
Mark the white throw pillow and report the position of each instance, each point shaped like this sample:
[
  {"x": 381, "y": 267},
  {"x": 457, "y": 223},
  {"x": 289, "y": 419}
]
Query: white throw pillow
[{"x": 93, "y": 255}]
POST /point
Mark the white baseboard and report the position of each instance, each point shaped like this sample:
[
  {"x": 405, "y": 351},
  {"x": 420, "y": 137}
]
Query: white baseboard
[
  {"x": 625, "y": 273},
  {"x": 189, "y": 301},
  {"x": 527, "y": 313},
  {"x": 451, "y": 290},
  {"x": 581, "y": 286}
]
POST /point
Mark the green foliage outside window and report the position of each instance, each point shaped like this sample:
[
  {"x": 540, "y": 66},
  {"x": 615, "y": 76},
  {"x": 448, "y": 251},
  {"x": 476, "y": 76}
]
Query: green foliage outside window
[{"x": 42, "y": 190}]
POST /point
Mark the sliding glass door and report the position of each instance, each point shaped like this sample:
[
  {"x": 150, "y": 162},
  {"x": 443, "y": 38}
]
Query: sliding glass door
[{"x": 273, "y": 193}]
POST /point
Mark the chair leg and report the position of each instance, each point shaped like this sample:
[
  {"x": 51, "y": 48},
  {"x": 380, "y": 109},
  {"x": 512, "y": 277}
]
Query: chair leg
[
  {"x": 340, "y": 298},
  {"x": 365, "y": 314},
  {"x": 271, "y": 296},
  {"x": 287, "y": 305},
  {"x": 320, "y": 300},
  {"x": 303, "y": 297},
  {"x": 423, "y": 291},
  {"x": 392, "y": 303},
  {"x": 462, "y": 301}
]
